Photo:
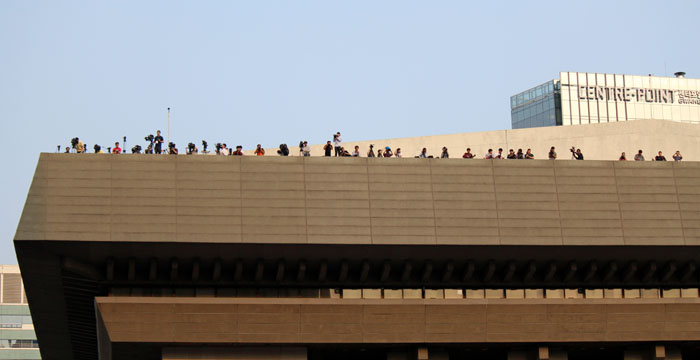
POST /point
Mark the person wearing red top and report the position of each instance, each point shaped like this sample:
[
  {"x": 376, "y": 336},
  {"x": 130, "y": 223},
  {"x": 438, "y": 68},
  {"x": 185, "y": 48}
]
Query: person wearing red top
[
  {"x": 116, "y": 149},
  {"x": 259, "y": 151},
  {"x": 239, "y": 151}
]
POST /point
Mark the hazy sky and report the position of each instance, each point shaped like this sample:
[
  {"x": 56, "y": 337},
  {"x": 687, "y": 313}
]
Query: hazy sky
[{"x": 274, "y": 72}]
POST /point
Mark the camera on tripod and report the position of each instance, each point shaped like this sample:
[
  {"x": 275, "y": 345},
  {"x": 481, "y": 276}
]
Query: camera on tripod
[
  {"x": 149, "y": 138},
  {"x": 97, "y": 148},
  {"x": 136, "y": 149}
]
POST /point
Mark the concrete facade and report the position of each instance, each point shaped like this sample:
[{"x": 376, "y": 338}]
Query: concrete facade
[
  {"x": 314, "y": 200},
  {"x": 210, "y": 257}
]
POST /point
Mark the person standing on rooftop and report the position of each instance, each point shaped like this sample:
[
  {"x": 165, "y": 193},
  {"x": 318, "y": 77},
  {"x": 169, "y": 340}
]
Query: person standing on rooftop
[
  {"x": 552, "y": 154},
  {"x": 388, "y": 152},
  {"x": 337, "y": 141},
  {"x": 500, "y": 154},
  {"x": 529, "y": 155},
  {"x": 259, "y": 151},
  {"x": 489, "y": 154},
  {"x": 660, "y": 157},
  {"x": 639, "y": 156},
  {"x": 158, "y": 141},
  {"x": 327, "y": 149},
  {"x": 468, "y": 154}
]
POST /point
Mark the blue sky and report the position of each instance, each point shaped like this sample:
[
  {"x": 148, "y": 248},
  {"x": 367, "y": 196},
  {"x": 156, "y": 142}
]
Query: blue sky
[{"x": 274, "y": 72}]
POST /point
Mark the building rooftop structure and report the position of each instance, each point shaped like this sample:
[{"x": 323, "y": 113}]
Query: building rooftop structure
[
  {"x": 577, "y": 98},
  {"x": 183, "y": 257},
  {"x": 17, "y": 338}
]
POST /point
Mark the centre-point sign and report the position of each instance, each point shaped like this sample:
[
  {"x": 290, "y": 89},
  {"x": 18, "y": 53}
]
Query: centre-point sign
[{"x": 660, "y": 96}]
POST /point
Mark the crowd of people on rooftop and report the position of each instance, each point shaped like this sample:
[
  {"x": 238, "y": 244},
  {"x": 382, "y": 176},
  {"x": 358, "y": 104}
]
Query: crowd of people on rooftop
[{"x": 334, "y": 148}]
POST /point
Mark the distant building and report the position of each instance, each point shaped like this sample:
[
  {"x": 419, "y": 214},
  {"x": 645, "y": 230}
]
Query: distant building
[
  {"x": 590, "y": 98},
  {"x": 17, "y": 338}
]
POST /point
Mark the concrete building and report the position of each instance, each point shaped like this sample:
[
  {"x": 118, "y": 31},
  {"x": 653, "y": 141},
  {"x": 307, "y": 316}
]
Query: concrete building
[
  {"x": 17, "y": 338},
  {"x": 591, "y": 98},
  {"x": 217, "y": 257}
]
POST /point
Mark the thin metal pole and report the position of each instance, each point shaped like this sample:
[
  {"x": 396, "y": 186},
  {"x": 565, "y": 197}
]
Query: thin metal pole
[{"x": 168, "y": 125}]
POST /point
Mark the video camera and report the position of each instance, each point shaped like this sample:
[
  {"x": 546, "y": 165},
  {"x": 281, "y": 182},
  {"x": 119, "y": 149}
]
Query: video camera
[
  {"x": 284, "y": 150},
  {"x": 204, "y": 146},
  {"x": 74, "y": 142},
  {"x": 149, "y": 138},
  {"x": 190, "y": 148},
  {"x": 97, "y": 148},
  {"x": 136, "y": 149}
]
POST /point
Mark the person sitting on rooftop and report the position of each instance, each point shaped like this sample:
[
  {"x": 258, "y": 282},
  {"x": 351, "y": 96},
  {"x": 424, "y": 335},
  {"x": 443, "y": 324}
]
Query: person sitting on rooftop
[
  {"x": 552, "y": 154},
  {"x": 468, "y": 154},
  {"x": 677, "y": 156},
  {"x": 239, "y": 151},
  {"x": 356, "y": 153},
  {"x": 489, "y": 154},
  {"x": 398, "y": 153},
  {"x": 511, "y": 154},
  {"x": 623, "y": 157},
  {"x": 660, "y": 157},
  {"x": 444, "y": 154},
  {"x": 639, "y": 156},
  {"x": 423, "y": 153},
  {"x": 529, "y": 155},
  {"x": 379, "y": 153},
  {"x": 578, "y": 155},
  {"x": 520, "y": 154}
]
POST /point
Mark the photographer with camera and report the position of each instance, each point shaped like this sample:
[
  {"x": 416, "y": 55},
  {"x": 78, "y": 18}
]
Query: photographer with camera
[
  {"x": 576, "y": 153},
  {"x": 172, "y": 150},
  {"x": 239, "y": 151},
  {"x": 283, "y": 150},
  {"x": 158, "y": 141},
  {"x": 328, "y": 148},
  {"x": 191, "y": 149},
  {"x": 259, "y": 151},
  {"x": 337, "y": 141},
  {"x": 552, "y": 154},
  {"x": 78, "y": 145}
]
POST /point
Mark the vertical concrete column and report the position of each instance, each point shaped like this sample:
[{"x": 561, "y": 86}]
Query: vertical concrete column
[
  {"x": 422, "y": 353},
  {"x": 659, "y": 352}
]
